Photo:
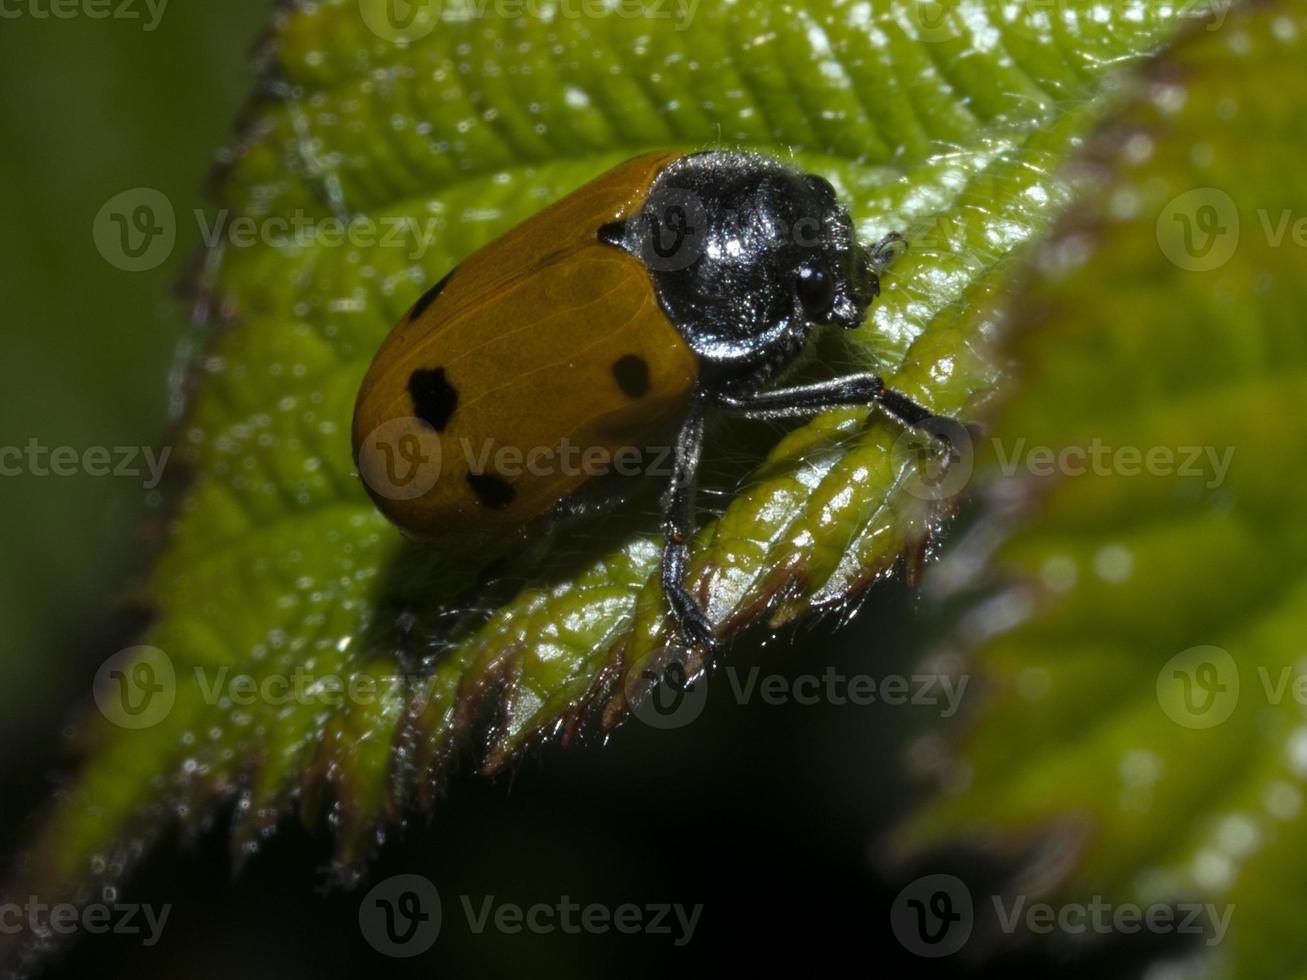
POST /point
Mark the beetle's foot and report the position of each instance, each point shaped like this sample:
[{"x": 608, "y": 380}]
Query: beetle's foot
[
  {"x": 696, "y": 629},
  {"x": 951, "y": 437}
]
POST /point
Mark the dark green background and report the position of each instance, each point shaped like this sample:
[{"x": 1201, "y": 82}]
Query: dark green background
[{"x": 91, "y": 108}]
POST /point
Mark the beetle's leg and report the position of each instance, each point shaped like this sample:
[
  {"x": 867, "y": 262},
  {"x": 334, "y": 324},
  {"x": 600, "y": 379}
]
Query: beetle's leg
[
  {"x": 950, "y": 436},
  {"x": 853, "y": 389},
  {"x": 678, "y": 525},
  {"x": 590, "y": 502}
]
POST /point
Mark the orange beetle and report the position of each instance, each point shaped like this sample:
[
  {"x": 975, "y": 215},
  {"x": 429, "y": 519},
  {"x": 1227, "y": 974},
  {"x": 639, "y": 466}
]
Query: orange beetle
[{"x": 672, "y": 285}]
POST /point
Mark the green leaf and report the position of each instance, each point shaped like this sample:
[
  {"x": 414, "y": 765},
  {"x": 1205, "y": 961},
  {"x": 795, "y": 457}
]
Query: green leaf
[
  {"x": 950, "y": 130},
  {"x": 1146, "y": 636}
]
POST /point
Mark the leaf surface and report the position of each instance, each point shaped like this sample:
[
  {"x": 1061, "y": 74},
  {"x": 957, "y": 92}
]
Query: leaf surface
[
  {"x": 950, "y": 129},
  {"x": 1142, "y": 627}
]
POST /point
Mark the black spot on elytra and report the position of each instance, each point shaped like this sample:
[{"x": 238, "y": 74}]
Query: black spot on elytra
[
  {"x": 429, "y": 297},
  {"x": 493, "y": 491},
  {"x": 434, "y": 398},
  {"x": 632, "y": 375}
]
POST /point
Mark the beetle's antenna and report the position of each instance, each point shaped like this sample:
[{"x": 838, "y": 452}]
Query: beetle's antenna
[{"x": 887, "y": 251}]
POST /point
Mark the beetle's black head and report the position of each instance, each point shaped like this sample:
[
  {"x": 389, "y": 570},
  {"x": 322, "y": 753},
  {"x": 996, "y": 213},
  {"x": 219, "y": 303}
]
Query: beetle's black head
[
  {"x": 747, "y": 255},
  {"x": 834, "y": 277}
]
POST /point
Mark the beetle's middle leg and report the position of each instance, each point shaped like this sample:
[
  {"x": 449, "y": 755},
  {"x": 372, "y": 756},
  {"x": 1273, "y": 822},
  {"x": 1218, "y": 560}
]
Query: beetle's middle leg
[{"x": 678, "y": 526}]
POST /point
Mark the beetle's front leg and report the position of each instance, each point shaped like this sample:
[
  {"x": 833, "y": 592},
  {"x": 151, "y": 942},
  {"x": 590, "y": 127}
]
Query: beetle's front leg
[
  {"x": 953, "y": 439},
  {"x": 853, "y": 389},
  {"x": 678, "y": 526}
]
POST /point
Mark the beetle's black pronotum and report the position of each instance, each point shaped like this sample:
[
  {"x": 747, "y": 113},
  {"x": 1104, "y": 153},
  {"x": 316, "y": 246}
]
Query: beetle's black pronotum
[{"x": 747, "y": 256}]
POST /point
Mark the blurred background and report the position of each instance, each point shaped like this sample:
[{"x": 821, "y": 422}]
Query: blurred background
[{"x": 769, "y": 816}]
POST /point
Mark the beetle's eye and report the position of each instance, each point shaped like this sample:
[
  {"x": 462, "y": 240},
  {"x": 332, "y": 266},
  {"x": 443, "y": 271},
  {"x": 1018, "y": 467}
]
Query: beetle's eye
[
  {"x": 823, "y": 188},
  {"x": 816, "y": 289}
]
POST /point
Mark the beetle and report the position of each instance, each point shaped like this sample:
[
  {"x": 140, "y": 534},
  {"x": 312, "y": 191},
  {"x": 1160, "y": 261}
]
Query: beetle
[{"x": 673, "y": 285}]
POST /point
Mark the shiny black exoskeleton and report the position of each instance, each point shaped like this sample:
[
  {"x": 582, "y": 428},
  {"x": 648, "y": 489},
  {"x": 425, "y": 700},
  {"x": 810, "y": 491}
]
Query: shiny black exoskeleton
[{"x": 747, "y": 256}]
